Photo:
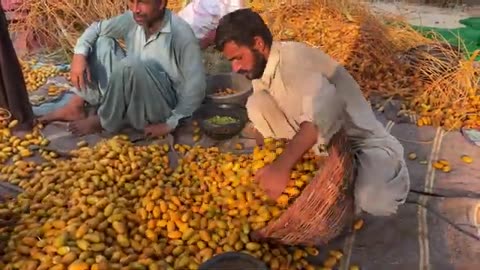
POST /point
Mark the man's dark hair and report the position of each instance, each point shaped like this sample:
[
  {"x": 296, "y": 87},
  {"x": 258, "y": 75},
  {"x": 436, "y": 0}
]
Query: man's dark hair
[{"x": 241, "y": 27}]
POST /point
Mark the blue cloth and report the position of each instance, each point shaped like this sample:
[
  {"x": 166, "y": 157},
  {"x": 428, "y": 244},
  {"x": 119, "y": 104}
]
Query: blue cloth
[{"x": 51, "y": 106}]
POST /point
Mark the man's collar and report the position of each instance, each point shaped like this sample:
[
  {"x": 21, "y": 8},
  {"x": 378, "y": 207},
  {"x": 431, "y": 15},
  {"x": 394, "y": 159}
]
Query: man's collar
[
  {"x": 166, "y": 25},
  {"x": 167, "y": 22},
  {"x": 271, "y": 67}
]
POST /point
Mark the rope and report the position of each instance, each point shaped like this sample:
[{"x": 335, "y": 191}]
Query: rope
[
  {"x": 444, "y": 219},
  {"x": 438, "y": 214}
]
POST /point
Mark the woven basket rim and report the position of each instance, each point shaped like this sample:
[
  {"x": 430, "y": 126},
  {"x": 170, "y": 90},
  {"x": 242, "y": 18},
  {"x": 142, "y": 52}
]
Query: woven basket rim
[{"x": 7, "y": 112}]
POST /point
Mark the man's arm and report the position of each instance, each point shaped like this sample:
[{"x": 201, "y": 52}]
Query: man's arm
[
  {"x": 321, "y": 119},
  {"x": 303, "y": 141},
  {"x": 191, "y": 90},
  {"x": 116, "y": 27}
]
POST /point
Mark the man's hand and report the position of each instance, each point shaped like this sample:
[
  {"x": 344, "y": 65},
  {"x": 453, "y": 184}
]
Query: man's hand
[
  {"x": 79, "y": 70},
  {"x": 157, "y": 130},
  {"x": 273, "y": 179}
]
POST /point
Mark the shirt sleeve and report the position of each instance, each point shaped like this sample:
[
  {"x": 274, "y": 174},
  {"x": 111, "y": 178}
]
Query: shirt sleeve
[
  {"x": 116, "y": 27},
  {"x": 191, "y": 90},
  {"x": 322, "y": 106}
]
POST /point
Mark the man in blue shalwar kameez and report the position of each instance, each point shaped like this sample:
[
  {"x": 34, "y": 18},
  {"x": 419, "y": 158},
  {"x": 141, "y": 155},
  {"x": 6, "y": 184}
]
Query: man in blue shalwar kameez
[{"x": 159, "y": 80}]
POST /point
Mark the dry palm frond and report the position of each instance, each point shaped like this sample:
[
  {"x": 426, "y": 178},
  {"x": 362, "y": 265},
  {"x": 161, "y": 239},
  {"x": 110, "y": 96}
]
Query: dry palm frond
[
  {"x": 436, "y": 82},
  {"x": 370, "y": 46},
  {"x": 58, "y": 23}
]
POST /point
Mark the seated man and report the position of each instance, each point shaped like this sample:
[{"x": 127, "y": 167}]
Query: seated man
[
  {"x": 302, "y": 94},
  {"x": 159, "y": 80}
]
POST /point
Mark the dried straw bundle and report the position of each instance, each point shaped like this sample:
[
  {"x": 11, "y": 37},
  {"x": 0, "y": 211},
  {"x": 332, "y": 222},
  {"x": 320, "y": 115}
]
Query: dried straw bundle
[
  {"x": 369, "y": 46},
  {"x": 58, "y": 23},
  {"x": 448, "y": 92},
  {"x": 451, "y": 100},
  {"x": 349, "y": 34}
]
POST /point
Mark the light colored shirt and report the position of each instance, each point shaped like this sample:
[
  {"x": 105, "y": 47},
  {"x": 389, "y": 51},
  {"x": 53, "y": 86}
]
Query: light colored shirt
[
  {"x": 174, "y": 47},
  {"x": 204, "y": 16},
  {"x": 310, "y": 86}
]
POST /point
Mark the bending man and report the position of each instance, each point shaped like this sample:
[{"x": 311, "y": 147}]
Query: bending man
[
  {"x": 302, "y": 94},
  {"x": 156, "y": 82}
]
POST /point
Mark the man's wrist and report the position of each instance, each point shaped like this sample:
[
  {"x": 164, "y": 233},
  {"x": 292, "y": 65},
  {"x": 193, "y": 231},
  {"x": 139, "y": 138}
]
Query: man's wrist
[
  {"x": 170, "y": 128},
  {"x": 172, "y": 124},
  {"x": 81, "y": 50},
  {"x": 285, "y": 163}
]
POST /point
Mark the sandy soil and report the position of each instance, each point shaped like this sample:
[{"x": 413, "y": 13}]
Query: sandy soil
[{"x": 427, "y": 15}]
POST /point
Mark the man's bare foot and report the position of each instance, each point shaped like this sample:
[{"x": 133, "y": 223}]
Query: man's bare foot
[
  {"x": 250, "y": 132},
  {"x": 73, "y": 111},
  {"x": 85, "y": 126}
]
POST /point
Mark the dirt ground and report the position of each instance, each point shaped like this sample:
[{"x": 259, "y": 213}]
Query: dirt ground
[{"x": 425, "y": 15}]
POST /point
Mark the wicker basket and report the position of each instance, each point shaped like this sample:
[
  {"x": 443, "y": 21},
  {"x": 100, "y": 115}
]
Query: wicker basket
[{"x": 325, "y": 206}]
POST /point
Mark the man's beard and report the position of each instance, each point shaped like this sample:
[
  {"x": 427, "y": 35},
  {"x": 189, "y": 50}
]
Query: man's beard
[
  {"x": 258, "y": 68},
  {"x": 145, "y": 21}
]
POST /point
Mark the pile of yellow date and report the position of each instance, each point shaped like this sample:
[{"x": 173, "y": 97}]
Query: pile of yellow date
[{"x": 120, "y": 206}]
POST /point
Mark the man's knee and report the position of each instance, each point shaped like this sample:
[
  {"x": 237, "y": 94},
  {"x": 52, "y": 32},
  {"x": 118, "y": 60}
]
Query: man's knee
[
  {"x": 382, "y": 200},
  {"x": 129, "y": 67},
  {"x": 259, "y": 101},
  {"x": 105, "y": 45},
  {"x": 382, "y": 182}
]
